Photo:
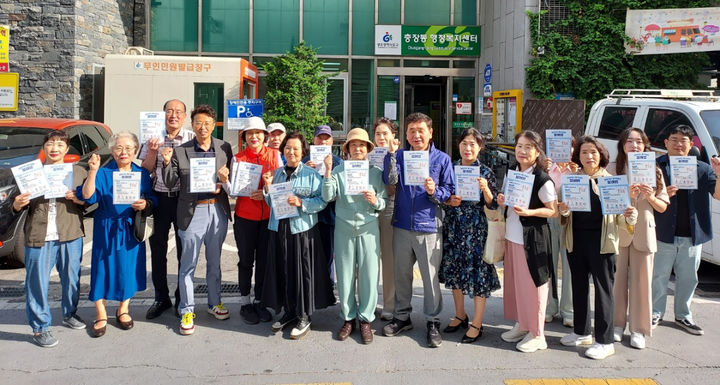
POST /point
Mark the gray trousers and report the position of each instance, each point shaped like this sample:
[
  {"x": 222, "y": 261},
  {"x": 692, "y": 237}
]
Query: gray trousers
[
  {"x": 208, "y": 226},
  {"x": 426, "y": 249}
]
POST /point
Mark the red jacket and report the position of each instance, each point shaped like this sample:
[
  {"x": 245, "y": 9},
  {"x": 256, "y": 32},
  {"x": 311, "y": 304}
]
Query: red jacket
[{"x": 244, "y": 206}]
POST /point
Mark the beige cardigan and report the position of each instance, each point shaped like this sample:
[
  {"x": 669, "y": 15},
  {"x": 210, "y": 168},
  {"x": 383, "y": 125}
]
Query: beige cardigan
[{"x": 609, "y": 237}]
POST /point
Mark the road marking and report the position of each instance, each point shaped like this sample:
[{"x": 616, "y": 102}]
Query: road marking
[{"x": 583, "y": 381}]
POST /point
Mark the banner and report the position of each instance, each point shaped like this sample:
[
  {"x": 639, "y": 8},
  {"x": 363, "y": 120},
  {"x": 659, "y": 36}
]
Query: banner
[
  {"x": 432, "y": 40},
  {"x": 4, "y": 48},
  {"x": 680, "y": 30}
]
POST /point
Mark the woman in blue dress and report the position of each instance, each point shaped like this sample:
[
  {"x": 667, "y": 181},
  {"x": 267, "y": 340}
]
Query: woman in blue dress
[
  {"x": 118, "y": 259},
  {"x": 464, "y": 233}
]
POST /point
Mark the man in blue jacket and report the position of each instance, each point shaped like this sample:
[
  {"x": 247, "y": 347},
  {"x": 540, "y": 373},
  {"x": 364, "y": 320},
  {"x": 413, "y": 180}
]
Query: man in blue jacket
[{"x": 417, "y": 226}]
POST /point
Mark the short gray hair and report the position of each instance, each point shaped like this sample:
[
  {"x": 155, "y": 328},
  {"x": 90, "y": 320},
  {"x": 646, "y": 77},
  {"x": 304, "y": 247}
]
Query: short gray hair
[{"x": 124, "y": 134}]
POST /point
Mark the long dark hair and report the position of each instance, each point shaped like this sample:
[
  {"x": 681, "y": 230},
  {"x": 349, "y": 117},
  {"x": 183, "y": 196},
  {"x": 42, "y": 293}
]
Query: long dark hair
[
  {"x": 537, "y": 142},
  {"x": 621, "y": 159}
]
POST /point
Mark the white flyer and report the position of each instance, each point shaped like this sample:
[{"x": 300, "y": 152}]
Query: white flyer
[
  {"x": 641, "y": 168},
  {"x": 279, "y": 194},
  {"x": 377, "y": 157},
  {"x": 357, "y": 176},
  {"x": 152, "y": 125},
  {"x": 317, "y": 156},
  {"x": 60, "y": 179},
  {"x": 126, "y": 187},
  {"x": 245, "y": 178},
  {"x": 576, "y": 192},
  {"x": 614, "y": 194},
  {"x": 30, "y": 178},
  {"x": 202, "y": 175},
  {"x": 558, "y": 145},
  {"x": 416, "y": 167},
  {"x": 683, "y": 172},
  {"x": 466, "y": 183},
  {"x": 518, "y": 189}
]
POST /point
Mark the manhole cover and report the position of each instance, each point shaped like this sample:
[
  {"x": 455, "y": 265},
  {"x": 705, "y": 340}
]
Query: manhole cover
[
  {"x": 8, "y": 292},
  {"x": 224, "y": 288}
]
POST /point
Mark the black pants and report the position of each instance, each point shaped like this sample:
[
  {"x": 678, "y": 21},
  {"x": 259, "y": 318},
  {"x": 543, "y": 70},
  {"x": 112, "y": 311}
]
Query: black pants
[
  {"x": 327, "y": 232},
  {"x": 165, "y": 214},
  {"x": 251, "y": 238},
  {"x": 585, "y": 260}
]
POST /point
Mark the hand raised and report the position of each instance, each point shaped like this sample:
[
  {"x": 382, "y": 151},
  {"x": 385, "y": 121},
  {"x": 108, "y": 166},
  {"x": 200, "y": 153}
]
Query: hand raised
[{"x": 94, "y": 162}]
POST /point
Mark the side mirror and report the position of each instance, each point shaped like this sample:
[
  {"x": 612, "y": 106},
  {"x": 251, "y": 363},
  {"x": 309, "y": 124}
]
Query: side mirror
[{"x": 71, "y": 158}]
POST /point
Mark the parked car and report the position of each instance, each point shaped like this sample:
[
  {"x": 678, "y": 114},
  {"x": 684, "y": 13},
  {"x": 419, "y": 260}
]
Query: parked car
[
  {"x": 656, "y": 111},
  {"x": 20, "y": 142}
]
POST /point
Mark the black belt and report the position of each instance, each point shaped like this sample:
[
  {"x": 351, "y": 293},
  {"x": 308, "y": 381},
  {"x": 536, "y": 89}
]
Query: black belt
[{"x": 167, "y": 194}]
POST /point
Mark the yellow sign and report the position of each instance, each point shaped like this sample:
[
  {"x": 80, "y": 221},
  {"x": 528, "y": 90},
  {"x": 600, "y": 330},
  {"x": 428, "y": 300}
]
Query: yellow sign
[
  {"x": 9, "y": 91},
  {"x": 4, "y": 44}
]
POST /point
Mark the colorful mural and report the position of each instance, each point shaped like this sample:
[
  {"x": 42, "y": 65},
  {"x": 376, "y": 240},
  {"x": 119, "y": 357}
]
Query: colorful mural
[{"x": 660, "y": 31}]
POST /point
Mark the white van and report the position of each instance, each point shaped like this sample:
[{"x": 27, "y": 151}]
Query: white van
[{"x": 655, "y": 111}]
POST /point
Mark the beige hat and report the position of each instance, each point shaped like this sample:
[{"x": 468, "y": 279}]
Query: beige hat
[{"x": 358, "y": 134}]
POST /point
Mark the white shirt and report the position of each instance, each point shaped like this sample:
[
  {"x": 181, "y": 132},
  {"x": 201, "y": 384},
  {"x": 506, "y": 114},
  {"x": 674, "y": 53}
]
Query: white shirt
[
  {"x": 513, "y": 227},
  {"x": 52, "y": 231}
]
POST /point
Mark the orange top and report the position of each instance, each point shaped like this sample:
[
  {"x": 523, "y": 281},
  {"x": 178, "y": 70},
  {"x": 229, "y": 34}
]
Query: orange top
[{"x": 244, "y": 206}]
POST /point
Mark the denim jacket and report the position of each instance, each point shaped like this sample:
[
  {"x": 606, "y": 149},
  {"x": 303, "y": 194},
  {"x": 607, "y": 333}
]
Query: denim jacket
[{"x": 307, "y": 185}]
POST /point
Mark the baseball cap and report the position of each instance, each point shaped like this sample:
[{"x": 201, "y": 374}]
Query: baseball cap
[
  {"x": 275, "y": 126},
  {"x": 323, "y": 129}
]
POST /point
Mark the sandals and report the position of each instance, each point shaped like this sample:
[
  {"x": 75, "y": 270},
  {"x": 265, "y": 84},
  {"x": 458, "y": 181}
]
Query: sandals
[
  {"x": 125, "y": 325},
  {"x": 453, "y": 328},
  {"x": 99, "y": 332},
  {"x": 467, "y": 339}
]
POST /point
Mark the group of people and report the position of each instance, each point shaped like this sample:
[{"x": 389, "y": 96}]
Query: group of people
[{"x": 346, "y": 240}]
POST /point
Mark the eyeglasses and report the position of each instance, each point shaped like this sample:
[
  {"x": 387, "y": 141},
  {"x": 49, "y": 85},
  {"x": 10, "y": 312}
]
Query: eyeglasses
[
  {"x": 120, "y": 149},
  {"x": 684, "y": 141},
  {"x": 170, "y": 112},
  {"x": 203, "y": 124}
]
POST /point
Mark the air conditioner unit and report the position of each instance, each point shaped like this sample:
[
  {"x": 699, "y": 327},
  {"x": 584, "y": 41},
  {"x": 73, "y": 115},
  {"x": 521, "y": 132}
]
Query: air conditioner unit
[{"x": 138, "y": 51}]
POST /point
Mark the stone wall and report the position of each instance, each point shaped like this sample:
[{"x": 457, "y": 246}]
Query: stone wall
[{"x": 58, "y": 46}]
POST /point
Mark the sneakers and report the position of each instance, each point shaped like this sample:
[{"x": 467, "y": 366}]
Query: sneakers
[
  {"x": 187, "y": 326},
  {"x": 157, "y": 308},
  {"x": 514, "y": 334},
  {"x": 618, "y": 333},
  {"x": 656, "y": 318},
  {"x": 284, "y": 321},
  {"x": 549, "y": 318},
  {"x": 262, "y": 312},
  {"x": 531, "y": 344},
  {"x": 568, "y": 322},
  {"x": 396, "y": 326},
  {"x": 600, "y": 351},
  {"x": 637, "y": 340},
  {"x": 434, "y": 339},
  {"x": 301, "y": 329},
  {"x": 573, "y": 339},
  {"x": 219, "y": 311},
  {"x": 689, "y": 326},
  {"x": 45, "y": 339},
  {"x": 74, "y": 322},
  {"x": 248, "y": 314}
]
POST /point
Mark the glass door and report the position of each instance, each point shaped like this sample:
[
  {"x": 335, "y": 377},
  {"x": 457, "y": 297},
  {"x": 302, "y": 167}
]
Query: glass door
[
  {"x": 388, "y": 99},
  {"x": 463, "y": 109}
]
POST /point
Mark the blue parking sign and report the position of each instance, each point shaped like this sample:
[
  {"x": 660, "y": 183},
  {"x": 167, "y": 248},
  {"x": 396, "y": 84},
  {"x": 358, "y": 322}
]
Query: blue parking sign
[{"x": 239, "y": 110}]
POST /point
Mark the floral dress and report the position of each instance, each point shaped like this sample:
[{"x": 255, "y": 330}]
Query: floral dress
[{"x": 464, "y": 235}]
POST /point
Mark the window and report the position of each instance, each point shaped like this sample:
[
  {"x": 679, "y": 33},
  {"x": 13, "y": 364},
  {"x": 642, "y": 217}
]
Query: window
[
  {"x": 363, "y": 27},
  {"x": 712, "y": 121},
  {"x": 75, "y": 142},
  {"x": 615, "y": 120},
  {"x": 388, "y": 11},
  {"x": 427, "y": 12},
  {"x": 337, "y": 101},
  {"x": 361, "y": 98},
  {"x": 326, "y": 26},
  {"x": 225, "y": 25},
  {"x": 465, "y": 12},
  {"x": 276, "y": 25},
  {"x": 659, "y": 121},
  {"x": 92, "y": 137},
  {"x": 174, "y": 25}
]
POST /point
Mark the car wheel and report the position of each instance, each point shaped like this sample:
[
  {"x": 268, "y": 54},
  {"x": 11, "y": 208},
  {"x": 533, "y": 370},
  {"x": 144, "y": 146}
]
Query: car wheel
[{"x": 17, "y": 257}]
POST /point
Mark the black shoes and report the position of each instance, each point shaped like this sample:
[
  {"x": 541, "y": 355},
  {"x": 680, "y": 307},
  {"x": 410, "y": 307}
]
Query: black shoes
[
  {"x": 283, "y": 322},
  {"x": 689, "y": 326},
  {"x": 157, "y": 308},
  {"x": 397, "y": 326},
  {"x": 453, "y": 328},
  {"x": 248, "y": 314},
  {"x": 467, "y": 339},
  {"x": 433, "y": 334},
  {"x": 262, "y": 312}
]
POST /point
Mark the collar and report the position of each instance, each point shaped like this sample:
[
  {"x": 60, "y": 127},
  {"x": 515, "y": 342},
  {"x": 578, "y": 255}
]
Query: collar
[{"x": 199, "y": 149}]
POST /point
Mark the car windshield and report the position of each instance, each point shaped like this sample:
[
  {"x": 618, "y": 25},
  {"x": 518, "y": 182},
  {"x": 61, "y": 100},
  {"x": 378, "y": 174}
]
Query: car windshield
[{"x": 20, "y": 144}]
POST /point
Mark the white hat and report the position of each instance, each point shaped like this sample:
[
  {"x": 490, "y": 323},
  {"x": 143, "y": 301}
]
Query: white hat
[
  {"x": 275, "y": 127},
  {"x": 255, "y": 123}
]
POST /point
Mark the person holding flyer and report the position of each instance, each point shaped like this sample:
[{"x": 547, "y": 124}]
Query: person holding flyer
[
  {"x": 591, "y": 239},
  {"x": 251, "y": 222},
  {"x": 681, "y": 230},
  {"x": 632, "y": 291},
  {"x": 357, "y": 235},
  {"x": 203, "y": 210},
  {"x": 416, "y": 235},
  {"x": 296, "y": 275},
  {"x": 464, "y": 234},
  {"x": 528, "y": 264},
  {"x": 53, "y": 238},
  {"x": 117, "y": 269}
]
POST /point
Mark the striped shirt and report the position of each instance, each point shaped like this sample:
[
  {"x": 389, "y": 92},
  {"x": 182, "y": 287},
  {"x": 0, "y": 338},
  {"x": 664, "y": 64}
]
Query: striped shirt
[{"x": 158, "y": 184}]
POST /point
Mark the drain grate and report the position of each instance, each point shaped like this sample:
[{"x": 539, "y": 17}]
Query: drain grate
[
  {"x": 10, "y": 292},
  {"x": 224, "y": 288}
]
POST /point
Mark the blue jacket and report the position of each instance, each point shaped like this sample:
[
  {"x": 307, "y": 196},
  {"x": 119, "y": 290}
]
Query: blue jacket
[
  {"x": 307, "y": 185},
  {"x": 698, "y": 202},
  {"x": 415, "y": 210},
  {"x": 327, "y": 215}
]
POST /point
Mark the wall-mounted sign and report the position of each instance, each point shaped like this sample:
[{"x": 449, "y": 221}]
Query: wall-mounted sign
[
  {"x": 9, "y": 91},
  {"x": 463, "y": 108},
  {"x": 487, "y": 73},
  {"x": 487, "y": 89},
  {"x": 4, "y": 48},
  {"x": 432, "y": 40},
  {"x": 240, "y": 110}
]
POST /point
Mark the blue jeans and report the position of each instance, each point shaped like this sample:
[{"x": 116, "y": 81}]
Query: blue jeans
[
  {"x": 39, "y": 262},
  {"x": 684, "y": 258}
]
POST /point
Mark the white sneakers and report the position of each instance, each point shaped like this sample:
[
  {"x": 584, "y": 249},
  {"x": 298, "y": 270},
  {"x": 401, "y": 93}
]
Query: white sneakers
[
  {"x": 573, "y": 339},
  {"x": 600, "y": 351},
  {"x": 568, "y": 322},
  {"x": 514, "y": 334},
  {"x": 618, "y": 333},
  {"x": 531, "y": 344},
  {"x": 637, "y": 340}
]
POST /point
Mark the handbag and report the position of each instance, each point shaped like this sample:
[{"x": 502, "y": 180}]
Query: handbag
[
  {"x": 144, "y": 223},
  {"x": 495, "y": 243}
]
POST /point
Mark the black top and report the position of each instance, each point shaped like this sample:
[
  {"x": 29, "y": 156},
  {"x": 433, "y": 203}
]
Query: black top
[
  {"x": 682, "y": 228},
  {"x": 592, "y": 220}
]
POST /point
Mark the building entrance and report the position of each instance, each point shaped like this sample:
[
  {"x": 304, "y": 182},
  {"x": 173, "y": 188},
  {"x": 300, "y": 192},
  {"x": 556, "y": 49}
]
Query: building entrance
[{"x": 426, "y": 94}]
